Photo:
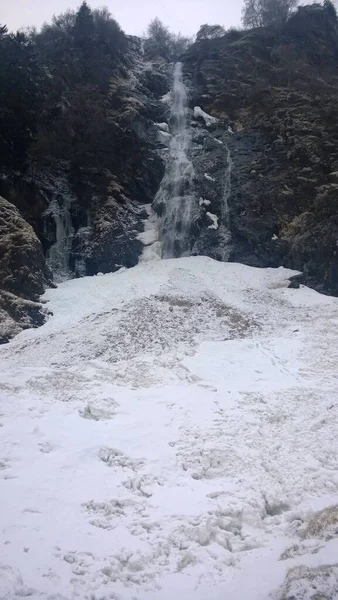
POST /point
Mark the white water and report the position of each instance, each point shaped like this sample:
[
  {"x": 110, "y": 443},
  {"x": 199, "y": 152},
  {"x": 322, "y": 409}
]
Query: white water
[{"x": 176, "y": 191}]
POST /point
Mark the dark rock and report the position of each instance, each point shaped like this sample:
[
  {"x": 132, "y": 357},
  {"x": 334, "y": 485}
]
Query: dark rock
[
  {"x": 23, "y": 274},
  {"x": 278, "y": 89}
]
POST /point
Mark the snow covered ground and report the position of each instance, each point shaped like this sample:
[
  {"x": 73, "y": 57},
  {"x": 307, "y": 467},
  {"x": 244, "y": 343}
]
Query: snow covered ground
[{"x": 172, "y": 430}]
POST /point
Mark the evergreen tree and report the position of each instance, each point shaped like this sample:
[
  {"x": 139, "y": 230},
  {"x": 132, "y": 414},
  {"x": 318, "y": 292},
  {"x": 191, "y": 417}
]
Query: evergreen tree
[
  {"x": 84, "y": 27},
  {"x": 330, "y": 10},
  {"x": 21, "y": 83}
]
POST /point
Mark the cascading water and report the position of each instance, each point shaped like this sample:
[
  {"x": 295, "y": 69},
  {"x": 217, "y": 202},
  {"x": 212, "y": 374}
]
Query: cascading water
[{"x": 176, "y": 192}]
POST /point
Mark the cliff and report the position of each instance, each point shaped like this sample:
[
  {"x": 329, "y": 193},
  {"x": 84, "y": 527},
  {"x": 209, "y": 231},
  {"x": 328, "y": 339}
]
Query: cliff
[{"x": 277, "y": 90}]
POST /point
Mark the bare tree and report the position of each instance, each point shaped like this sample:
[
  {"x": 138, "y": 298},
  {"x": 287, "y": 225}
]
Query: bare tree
[
  {"x": 262, "y": 13},
  {"x": 208, "y": 32},
  {"x": 252, "y": 13}
]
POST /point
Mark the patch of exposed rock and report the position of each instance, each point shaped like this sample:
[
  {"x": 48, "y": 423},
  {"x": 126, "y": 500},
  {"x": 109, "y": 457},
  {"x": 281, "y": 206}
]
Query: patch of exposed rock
[
  {"x": 23, "y": 274},
  {"x": 310, "y": 583}
]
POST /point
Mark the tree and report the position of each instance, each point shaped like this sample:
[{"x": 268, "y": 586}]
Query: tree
[
  {"x": 159, "y": 39},
  {"x": 209, "y": 32},
  {"x": 21, "y": 82},
  {"x": 162, "y": 42},
  {"x": 3, "y": 31},
  {"x": 264, "y": 13},
  {"x": 84, "y": 27},
  {"x": 179, "y": 44},
  {"x": 331, "y": 10},
  {"x": 252, "y": 14}
]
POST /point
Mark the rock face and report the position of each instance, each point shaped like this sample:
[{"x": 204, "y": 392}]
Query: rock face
[
  {"x": 277, "y": 90},
  {"x": 88, "y": 217},
  {"x": 263, "y": 124},
  {"x": 23, "y": 274}
]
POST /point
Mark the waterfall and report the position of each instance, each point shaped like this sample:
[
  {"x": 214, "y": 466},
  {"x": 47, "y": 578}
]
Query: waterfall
[
  {"x": 176, "y": 193},
  {"x": 59, "y": 253}
]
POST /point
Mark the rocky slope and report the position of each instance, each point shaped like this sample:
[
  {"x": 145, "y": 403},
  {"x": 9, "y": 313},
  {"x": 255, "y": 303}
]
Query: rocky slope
[
  {"x": 87, "y": 210},
  {"x": 23, "y": 274},
  {"x": 88, "y": 215},
  {"x": 277, "y": 90}
]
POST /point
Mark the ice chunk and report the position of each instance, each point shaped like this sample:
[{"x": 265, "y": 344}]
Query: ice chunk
[
  {"x": 166, "y": 99},
  {"x": 164, "y": 137},
  {"x": 163, "y": 126},
  {"x": 208, "y": 119},
  {"x": 208, "y": 177},
  {"x": 214, "y": 221}
]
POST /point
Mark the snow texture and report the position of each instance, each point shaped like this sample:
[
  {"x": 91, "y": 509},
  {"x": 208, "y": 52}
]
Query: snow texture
[
  {"x": 172, "y": 430},
  {"x": 208, "y": 119}
]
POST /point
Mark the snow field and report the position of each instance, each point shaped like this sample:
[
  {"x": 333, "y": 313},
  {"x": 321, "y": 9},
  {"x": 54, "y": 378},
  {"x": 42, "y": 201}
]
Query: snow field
[{"x": 172, "y": 429}]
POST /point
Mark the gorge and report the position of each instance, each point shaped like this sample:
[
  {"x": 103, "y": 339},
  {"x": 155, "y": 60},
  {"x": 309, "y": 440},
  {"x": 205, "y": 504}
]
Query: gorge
[{"x": 169, "y": 310}]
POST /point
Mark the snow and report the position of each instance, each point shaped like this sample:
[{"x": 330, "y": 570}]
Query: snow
[
  {"x": 166, "y": 99},
  {"x": 208, "y": 119},
  {"x": 163, "y": 126},
  {"x": 214, "y": 220},
  {"x": 164, "y": 137},
  {"x": 150, "y": 236},
  {"x": 203, "y": 202},
  {"x": 172, "y": 429}
]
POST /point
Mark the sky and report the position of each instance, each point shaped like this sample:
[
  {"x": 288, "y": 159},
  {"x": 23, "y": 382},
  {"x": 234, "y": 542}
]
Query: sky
[{"x": 183, "y": 16}]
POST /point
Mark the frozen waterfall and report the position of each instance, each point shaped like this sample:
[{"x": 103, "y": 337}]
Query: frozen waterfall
[
  {"x": 59, "y": 253},
  {"x": 176, "y": 192}
]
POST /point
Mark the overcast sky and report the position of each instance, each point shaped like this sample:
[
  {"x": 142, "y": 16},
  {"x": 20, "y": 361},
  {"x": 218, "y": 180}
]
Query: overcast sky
[{"x": 133, "y": 15}]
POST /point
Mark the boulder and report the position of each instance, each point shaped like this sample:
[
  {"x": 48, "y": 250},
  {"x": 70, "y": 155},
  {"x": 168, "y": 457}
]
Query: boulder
[{"x": 23, "y": 274}]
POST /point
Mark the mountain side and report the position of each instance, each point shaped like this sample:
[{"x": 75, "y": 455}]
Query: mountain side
[
  {"x": 91, "y": 161},
  {"x": 277, "y": 90}
]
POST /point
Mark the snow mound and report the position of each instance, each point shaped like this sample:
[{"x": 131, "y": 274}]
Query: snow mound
[{"x": 172, "y": 429}]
